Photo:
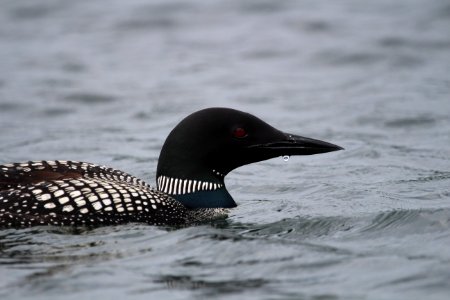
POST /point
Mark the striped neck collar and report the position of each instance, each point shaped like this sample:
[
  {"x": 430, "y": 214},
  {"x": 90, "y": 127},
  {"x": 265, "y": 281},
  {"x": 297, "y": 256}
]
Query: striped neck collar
[{"x": 177, "y": 186}]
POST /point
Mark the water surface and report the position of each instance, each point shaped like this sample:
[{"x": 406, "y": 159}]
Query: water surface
[{"x": 105, "y": 81}]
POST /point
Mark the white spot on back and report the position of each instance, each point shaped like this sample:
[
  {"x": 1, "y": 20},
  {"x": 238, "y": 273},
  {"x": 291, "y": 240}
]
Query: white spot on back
[
  {"x": 36, "y": 191},
  {"x": 58, "y": 193},
  {"x": 44, "y": 197},
  {"x": 63, "y": 200},
  {"x": 53, "y": 188},
  {"x": 97, "y": 205},
  {"x": 75, "y": 194},
  {"x": 67, "y": 208},
  {"x": 50, "y": 205},
  {"x": 80, "y": 201}
]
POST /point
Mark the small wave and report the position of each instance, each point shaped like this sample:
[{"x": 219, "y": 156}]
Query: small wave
[
  {"x": 209, "y": 287},
  {"x": 409, "y": 222},
  {"x": 89, "y": 98},
  {"x": 412, "y": 121},
  {"x": 10, "y": 107},
  {"x": 338, "y": 57},
  {"x": 152, "y": 23},
  {"x": 300, "y": 228},
  {"x": 31, "y": 12}
]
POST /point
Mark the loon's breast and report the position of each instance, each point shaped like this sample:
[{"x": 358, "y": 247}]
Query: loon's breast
[{"x": 74, "y": 193}]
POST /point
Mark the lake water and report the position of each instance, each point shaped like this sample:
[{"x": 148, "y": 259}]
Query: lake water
[{"x": 105, "y": 82}]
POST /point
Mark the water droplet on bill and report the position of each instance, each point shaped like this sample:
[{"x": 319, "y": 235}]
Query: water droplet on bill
[{"x": 286, "y": 157}]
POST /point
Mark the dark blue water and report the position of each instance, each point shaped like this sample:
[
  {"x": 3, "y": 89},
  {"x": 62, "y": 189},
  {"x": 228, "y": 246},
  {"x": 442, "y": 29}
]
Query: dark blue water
[{"x": 105, "y": 81}]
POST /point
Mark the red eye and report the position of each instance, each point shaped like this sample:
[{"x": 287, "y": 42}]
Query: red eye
[{"x": 239, "y": 133}]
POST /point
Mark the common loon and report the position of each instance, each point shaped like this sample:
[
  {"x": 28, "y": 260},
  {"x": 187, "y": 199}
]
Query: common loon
[{"x": 195, "y": 158}]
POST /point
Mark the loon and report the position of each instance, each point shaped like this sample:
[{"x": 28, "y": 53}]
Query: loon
[{"x": 194, "y": 160}]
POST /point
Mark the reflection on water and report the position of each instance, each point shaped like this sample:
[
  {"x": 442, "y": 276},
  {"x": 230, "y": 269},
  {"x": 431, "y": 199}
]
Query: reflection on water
[{"x": 106, "y": 84}]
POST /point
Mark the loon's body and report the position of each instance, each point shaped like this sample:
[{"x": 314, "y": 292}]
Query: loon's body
[{"x": 197, "y": 155}]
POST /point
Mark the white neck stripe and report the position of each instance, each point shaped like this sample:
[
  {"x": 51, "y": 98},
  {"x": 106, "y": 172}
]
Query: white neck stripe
[{"x": 176, "y": 186}]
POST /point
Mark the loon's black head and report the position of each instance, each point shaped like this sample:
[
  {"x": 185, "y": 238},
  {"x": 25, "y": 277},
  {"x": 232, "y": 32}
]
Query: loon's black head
[{"x": 208, "y": 144}]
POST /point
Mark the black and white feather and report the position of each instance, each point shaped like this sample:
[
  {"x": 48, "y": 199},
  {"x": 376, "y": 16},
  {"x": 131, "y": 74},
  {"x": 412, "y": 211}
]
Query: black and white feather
[{"x": 82, "y": 194}]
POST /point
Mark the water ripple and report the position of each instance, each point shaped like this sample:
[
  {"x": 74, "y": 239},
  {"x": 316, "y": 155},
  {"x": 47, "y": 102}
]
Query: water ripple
[{"x": 409, "y": 221}]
